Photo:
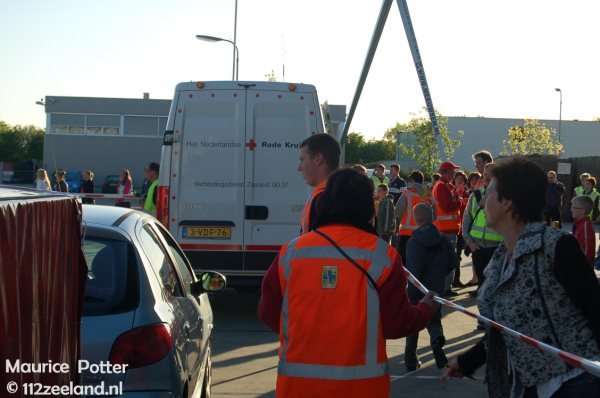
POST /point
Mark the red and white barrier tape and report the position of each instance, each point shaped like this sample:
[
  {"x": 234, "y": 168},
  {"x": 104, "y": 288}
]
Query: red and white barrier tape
[
  {"x": 588, "y": 365},
  {"x": 104, "y": 195}
]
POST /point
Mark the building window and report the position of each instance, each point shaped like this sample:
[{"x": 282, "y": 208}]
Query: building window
[
  {"x": 78, "y": 124},
  {"x": 76, "y": 130},
  {"x": 141, "y": 126}
]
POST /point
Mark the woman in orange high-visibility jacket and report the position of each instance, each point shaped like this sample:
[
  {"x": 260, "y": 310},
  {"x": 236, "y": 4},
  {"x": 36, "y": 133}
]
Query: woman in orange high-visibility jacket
[{"x": 331, "y": 317}]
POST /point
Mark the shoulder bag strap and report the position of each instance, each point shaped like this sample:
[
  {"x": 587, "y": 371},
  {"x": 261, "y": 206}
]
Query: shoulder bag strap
[{"x": 371, "y": 281}]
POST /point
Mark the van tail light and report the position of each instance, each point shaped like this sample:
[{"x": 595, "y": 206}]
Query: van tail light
[
  {"x": 162, "y": 206},
  {"x": 142, "y": 346}
]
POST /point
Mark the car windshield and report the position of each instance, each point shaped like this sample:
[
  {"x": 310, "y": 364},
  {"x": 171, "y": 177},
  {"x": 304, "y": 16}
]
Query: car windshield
[{"x": 111, "y": 283}]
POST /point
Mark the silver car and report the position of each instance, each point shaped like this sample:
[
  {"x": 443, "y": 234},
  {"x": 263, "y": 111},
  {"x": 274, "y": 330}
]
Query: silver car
[{"x": 144, "y": 307}]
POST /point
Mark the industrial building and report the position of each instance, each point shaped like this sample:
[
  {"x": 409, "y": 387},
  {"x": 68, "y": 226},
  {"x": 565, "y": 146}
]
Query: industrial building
[{"x": 104, "y": 135}]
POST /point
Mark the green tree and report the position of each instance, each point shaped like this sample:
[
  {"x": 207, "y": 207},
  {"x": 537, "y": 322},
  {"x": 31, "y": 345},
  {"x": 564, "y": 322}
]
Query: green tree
[
  {"x": 376, "y": 150},
  {"x": 421, "y": 145},
  {"x": 19, "y": 143},
  {"x": 354, "y": 146},
  {"x": 531, "y": 138},
  {"x": 271, "y": 77},
  {"x": 359, "y": 150}
]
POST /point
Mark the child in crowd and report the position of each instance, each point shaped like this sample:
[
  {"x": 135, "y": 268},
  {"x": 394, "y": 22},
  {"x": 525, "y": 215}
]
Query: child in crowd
[
  {"x": 582, "y": 226},
  {"x": 386, "y": 221},
  {"x": 430, "y": 257},
  {"x": 61, "y": 184},
  {"x": 42, "y": 181},
  {"x": 87, "y": 186}
]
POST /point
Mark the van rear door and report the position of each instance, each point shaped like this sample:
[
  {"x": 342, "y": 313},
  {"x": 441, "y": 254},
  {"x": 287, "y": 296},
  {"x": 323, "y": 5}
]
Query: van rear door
[
  {"x": 277, "y": 121},
  {"x": 209, "y": 214}
]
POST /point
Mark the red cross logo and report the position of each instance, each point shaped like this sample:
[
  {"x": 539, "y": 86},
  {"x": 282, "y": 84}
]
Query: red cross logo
[{"x": 251, "y": 144}]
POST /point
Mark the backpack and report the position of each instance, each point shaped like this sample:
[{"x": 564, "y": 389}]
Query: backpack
[{"x": 386, "y": 219}]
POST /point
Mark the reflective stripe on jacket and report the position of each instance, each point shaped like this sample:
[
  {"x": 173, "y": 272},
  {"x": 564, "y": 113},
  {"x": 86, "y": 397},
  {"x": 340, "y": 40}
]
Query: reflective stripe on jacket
[
  {"x": 408, "y": 223},
  {"x": 305, "y": 221},
  {"x": 446, "y": 222},
  {"x": 331, "y": 338},
  {"x": 479, "y": 228}
]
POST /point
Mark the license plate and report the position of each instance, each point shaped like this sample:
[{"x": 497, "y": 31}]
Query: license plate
[{"x": 207, "y": 232}]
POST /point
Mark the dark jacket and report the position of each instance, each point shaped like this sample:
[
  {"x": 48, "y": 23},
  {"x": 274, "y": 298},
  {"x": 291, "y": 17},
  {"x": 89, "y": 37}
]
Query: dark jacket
[
  {"x": 554, "y": 195},
  {"x": 430, "y": 257},
  {"x": 87, "y": 187},
  {"x": 61, "y": 186}
]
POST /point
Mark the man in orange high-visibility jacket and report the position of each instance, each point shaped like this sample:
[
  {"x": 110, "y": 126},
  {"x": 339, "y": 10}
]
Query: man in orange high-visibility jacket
[
  {"x": 319, "y": 157},
  {"x": 448, "y": 205},
  {"x": 332, "y": 314},
  {"x": 415, "y": 193}
]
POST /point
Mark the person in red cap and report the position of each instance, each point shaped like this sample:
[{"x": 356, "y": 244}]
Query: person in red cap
[{"x": 447, "y": 203}]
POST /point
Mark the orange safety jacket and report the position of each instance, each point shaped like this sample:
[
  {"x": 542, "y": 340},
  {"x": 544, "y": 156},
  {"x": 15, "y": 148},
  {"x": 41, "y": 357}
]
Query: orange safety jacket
[
  {"x": 331, "y": 342},
  {"x": 408, "y": 223},
  {"x": 446, "y": 221},
  {"x": 305, "y": 221}
]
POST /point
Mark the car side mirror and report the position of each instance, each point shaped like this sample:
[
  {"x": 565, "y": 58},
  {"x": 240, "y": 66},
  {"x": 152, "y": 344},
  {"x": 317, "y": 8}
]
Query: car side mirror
[{"x": 210, "y": 281}]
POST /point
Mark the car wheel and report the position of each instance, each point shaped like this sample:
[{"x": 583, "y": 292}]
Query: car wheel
[{"x": 206, "y": 393}]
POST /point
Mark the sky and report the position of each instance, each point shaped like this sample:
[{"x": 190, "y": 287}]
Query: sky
[{"x": 482, "y": 58}]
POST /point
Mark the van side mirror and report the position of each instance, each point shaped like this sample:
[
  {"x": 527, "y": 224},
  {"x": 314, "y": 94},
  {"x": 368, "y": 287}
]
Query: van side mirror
[{"x": 210, "y": 281}]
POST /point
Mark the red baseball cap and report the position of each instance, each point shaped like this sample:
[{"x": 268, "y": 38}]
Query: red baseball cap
[{"x": 448, "y": 165}]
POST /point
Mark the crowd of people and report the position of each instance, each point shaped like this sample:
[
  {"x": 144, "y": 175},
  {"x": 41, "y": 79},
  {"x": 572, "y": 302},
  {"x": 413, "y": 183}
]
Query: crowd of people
[
  {"x": 336, "y": 292},
  {"x": 148, "y": 195}
]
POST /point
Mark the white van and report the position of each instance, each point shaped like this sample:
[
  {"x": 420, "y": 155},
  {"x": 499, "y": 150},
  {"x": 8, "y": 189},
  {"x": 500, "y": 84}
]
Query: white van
[{"x": 229, "y": 190}]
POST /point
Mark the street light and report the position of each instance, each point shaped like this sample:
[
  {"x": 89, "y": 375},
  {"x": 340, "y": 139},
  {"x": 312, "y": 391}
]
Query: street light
[
  {"x": 236, "y": 64},
  {"x": 559, "y": 113}
]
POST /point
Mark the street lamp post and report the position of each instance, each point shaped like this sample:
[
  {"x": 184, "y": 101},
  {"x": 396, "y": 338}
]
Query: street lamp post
[
  {"x": 236, "y": 52},
  {"x": 559, "y": 113}
]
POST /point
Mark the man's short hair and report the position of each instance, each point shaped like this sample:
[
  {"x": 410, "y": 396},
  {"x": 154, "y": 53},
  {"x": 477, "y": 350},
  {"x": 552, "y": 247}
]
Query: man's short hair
[
  {"x": 154, "y": 167},
  {"x": 552, "y": 174},
  {"x": 486, "y": 156},
  {"x": 416, "y": 176},
  {"x": 584, "y": 201},
  {"x": 395, "y": 166},
  {"x": 326, "y": 145},
  {"x": 380, "y": 166},
  {"x": 423, "y": 213}
]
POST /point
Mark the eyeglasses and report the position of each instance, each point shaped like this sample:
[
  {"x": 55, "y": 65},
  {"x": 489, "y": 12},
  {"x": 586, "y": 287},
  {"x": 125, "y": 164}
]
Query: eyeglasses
[{"x": 577, "y": 208}]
